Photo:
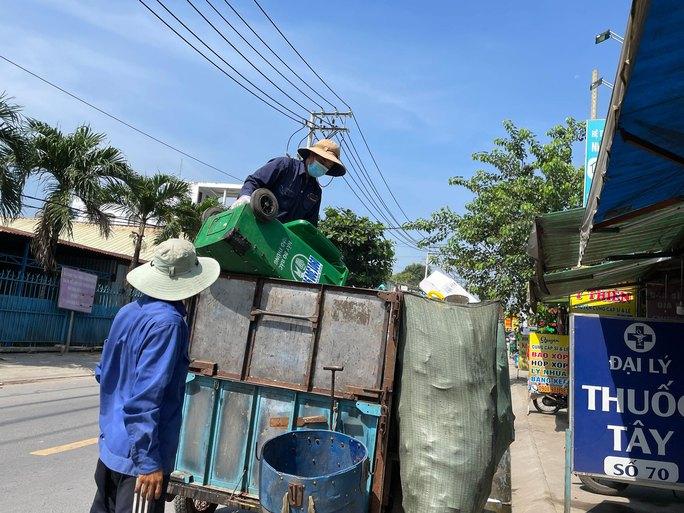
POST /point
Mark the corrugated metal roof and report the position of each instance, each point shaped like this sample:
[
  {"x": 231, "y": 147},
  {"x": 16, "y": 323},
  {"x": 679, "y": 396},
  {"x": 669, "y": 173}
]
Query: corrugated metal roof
[
  {"x": 640, "y": 167},
  {"x": 648, "y": 235},
  {"x": 86, "y": 235},
  {"x": 611, "y": 274},
  {"x": 554, "y": 241}
]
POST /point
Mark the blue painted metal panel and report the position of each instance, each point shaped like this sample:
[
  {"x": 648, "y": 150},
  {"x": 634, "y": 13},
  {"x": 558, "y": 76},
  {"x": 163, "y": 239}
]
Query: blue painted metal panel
[
  {"x": 226, "y": 423},
  {"x": 195, "y": 437},
  {"x": 651, "y": 111},
  {"x": 229, "y": 454}
]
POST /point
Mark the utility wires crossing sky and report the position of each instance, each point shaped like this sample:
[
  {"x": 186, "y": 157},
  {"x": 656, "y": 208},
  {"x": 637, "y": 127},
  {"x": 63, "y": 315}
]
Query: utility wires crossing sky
[{"x": 292, "y": 96}]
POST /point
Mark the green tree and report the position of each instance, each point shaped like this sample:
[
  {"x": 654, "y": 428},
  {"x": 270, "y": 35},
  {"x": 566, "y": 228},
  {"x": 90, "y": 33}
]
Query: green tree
[
  {"x": 365, "y": 250},
  {"x": 14, "y": 150},
  {"x": 412, "y": 275},
  {"x": 70, "y": 166},
  {"x": 144, "y": 200},
  {"x": 486, "y": 244},
  {"x": 185, "y": 219}
]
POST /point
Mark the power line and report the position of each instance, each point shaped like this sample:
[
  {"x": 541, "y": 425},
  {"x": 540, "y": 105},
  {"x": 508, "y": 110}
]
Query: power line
[
  {"x": 357, "y": 158},
  {"x": 114, "y": 220},
  {"x": 358, "y": 127},
  {"x": 367, "y": 194},
  {"x": 119, "y": 120},
  {"x": 356, "y": 122},
  {"x": 376, "y": 213},
  {"x": 261, "y": 55},
  {"x": 278, "y": 56},
  {"x": 297, "y": 119},
  {"x": 300, "y": 55},
  {"x": 242, "y": 54}
]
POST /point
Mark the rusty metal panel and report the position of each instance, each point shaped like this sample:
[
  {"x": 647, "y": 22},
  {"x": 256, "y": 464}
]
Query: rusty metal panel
[
  {"x": 271, "y": 403},
  {"x": 221, "y": 324},
  {"x": 353, "y": 334},
  {"x": 195, "y": 433},
  {"x": 230, "y": 446},
  {"x": 283, "y": 342}
]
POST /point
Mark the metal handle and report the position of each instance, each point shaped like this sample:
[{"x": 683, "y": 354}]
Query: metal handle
[
  {"x": 257, "y": 311},
  {"x": 333, "y": 405},
  {"x": 336, "y": 368}
]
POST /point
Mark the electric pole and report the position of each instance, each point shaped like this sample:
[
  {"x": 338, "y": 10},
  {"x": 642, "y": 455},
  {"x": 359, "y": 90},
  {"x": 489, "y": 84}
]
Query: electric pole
[
  {"x": 427, "y": 262},
  {"x": 324, "y": 122},
  {"x": 594, "y": 93}
]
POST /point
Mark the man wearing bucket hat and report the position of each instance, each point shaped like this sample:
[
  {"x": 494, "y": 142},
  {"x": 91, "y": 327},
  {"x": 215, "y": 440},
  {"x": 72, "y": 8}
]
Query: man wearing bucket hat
[
  {"x": 142, "y": 380},
  {"x": 295, "y": 182}
]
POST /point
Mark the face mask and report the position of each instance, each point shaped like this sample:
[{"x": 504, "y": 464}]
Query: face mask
[{"x": 316, "y": 169}]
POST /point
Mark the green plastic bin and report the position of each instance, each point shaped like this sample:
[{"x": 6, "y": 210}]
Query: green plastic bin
[{"x": 296, "y": 251}]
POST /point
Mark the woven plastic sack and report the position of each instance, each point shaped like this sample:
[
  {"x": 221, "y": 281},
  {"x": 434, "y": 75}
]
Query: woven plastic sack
[{"x": 454, "y": 407}]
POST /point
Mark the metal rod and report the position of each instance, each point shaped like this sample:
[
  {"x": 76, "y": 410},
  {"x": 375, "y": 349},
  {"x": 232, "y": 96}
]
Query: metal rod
[
  {"x": 567, "y": 502},
  {"x": 69, "y": 330},
  {"x": 333, "y": 369}
]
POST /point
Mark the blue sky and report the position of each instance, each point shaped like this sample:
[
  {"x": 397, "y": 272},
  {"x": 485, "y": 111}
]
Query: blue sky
[{"x": 430, "y": 82}]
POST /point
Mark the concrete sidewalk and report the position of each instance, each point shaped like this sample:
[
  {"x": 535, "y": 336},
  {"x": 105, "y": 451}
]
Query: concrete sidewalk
[
  {"x": 538, "y": 465},
  {"x": 29, "y": 367}
]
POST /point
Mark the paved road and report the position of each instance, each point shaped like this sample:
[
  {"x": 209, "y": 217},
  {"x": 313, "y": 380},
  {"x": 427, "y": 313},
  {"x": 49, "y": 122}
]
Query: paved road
[
  {"x": 57, "y": 419},
  {"x": 44, "y": 415}
]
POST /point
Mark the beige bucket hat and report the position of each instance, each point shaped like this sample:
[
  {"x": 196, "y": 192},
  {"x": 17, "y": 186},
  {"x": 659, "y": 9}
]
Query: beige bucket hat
[
  {"x": 175, "y": 272},
  {"x": 328, "y": 150}
]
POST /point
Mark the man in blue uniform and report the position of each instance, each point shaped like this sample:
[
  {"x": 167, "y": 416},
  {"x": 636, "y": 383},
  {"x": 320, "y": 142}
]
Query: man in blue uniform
[
  {"x": 295, "y": 182},
  {"x": 142, "y": 380}
]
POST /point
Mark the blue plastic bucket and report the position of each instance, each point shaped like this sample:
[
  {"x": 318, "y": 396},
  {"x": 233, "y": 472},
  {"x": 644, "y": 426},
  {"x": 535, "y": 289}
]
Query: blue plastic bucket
[{"x": 325, "y": 469}]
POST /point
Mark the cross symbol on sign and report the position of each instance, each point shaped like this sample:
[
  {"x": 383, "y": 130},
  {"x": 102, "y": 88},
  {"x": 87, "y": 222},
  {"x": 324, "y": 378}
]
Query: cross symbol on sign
[{"x": 639, "y": 337}]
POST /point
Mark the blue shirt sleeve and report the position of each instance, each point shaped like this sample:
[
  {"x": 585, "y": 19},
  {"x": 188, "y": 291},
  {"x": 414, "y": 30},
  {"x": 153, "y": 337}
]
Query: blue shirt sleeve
[
  {"x": 98, "y": 367},
  {"x": 265, "y": 176},
  {"x": 155, "y": 365}
]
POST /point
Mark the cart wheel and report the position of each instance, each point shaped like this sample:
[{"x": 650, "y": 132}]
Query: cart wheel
[
  {"x": 264, "y": 205},
  {"x": 602, "y": 486},
  {"x": 210, "y": 212},
  {"x": 188, "y": 505}
]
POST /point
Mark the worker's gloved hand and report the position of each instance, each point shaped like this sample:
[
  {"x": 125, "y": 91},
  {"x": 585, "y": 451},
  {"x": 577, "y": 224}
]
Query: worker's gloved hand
[{"x": 240, "y": 201}]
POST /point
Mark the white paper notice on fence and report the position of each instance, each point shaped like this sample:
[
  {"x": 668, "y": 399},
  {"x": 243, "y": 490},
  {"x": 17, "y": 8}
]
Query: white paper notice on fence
[{"x": 77, "y": 290}]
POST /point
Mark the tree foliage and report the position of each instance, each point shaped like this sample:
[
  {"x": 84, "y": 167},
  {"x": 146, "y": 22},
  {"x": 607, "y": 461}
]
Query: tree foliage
[
  {"x": 184, "y": 219},
  {"x": 75, "y": 165},
  {"x": 524, "y": 178},
  {"x": 412, "y": 275},
  {"x": 145, "y": 199},
  {"x": 365, "y": 250},
  {"x": 14, "y": 149}
]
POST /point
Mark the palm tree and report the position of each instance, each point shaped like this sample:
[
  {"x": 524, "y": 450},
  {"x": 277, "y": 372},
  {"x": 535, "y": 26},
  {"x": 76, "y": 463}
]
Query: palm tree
[
  {"x": 146, "y": 199},
  {"x": 71, "y": 166},
  {"x": 185, "y": 219},
  {"x": 14, "y": 147}
]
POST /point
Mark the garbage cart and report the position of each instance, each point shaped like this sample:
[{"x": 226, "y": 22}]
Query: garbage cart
[{"x": 261, "y": 350}]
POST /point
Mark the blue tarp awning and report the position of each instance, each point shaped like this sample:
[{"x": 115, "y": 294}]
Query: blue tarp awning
[{"x": 640, "y": 167}]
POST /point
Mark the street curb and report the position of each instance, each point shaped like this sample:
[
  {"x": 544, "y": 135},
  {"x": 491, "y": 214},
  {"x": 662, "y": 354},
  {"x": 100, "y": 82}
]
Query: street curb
[{"x": 49, "y": 378}]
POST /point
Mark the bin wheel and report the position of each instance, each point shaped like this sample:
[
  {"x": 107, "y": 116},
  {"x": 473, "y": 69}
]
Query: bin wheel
[
  {"x": 188, "y": 505},
  {"x": 602, "y": 486},
  {"x": 264, "y": 205},
  {"x": 210, "y": 212}
]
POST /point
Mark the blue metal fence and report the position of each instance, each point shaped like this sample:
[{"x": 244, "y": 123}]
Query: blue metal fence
[{"x": 29, "y": 316}]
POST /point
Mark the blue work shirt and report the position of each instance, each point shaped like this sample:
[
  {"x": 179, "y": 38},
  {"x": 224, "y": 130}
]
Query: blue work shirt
[
  {"x": 298, "y": 193},
  {"x": 142, "y": 382}
]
